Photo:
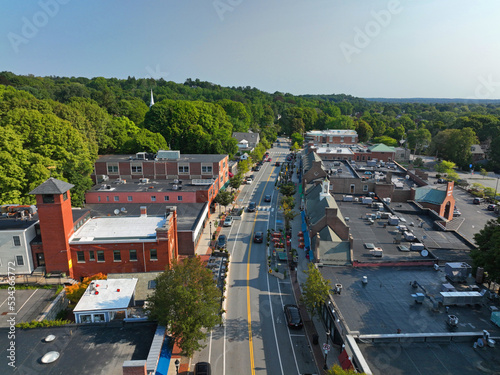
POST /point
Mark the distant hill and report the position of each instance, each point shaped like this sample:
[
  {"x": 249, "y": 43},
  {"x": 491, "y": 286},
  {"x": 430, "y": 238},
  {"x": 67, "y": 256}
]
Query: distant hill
[{"x": 434, "y": 100}]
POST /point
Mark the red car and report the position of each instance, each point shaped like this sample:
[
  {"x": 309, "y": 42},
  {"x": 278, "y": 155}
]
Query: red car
[{"x": 269, "y": 159}]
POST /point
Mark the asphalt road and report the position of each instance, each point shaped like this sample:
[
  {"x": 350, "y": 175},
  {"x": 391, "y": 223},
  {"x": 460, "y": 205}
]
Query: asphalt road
[
  {"x": 255, "y": 338},
  {"x": 26, "y": 306}
]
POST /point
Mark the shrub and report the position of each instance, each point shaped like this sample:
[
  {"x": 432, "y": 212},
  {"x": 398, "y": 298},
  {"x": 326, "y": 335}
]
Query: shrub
[{"x": 43, "y": 323}]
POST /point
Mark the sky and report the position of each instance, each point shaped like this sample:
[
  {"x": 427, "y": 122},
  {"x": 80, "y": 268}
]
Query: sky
[{"x": 364, "y": 48}]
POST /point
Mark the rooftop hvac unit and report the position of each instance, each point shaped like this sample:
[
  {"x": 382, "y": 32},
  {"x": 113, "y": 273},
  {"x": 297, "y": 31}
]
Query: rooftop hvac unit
[
  {"x": 144, "y": 180},
  {"x": 140, "y": 155},
  {"x": 457, "y": 271},
  {"x": 104, "y": 177}
]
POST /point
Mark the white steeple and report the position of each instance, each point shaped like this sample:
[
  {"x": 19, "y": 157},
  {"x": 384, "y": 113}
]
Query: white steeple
[{"x": 152, "y": 103}]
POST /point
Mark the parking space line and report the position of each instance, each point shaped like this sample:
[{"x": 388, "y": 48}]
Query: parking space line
[{"x": 32, "y": 294}]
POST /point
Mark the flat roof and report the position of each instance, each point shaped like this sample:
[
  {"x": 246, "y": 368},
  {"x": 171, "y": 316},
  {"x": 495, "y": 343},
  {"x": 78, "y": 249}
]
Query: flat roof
[
  {"x": 111, "y": 294},
  {"x": 385, "y": 304},
  {"x": 184, "y": 158},
  {"x": 7, "y": 223},
  {"x": 142, "y": 289},
  {"x": 157, "y": 186},
  {"x": 445, "y": 245},
  {"x": 188, "y": 214},
  {"x": 97, "y": 349},
  {"x": 334, "y": 150},
  {"x": 118, "y": 228}
]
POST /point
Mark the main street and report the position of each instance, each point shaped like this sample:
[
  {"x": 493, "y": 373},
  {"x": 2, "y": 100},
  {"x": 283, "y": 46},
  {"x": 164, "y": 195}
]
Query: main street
[{"x": 254, "y": 338}]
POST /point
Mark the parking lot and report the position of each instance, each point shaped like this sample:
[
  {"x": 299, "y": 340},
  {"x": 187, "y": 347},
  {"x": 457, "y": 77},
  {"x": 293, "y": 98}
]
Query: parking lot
[{"x": 28, "y": 304}]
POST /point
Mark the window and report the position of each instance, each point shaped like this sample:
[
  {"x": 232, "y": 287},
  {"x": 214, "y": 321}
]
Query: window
[
  {"x": 98, "y": 198},
  {"x": 129, "y": 198},
  {"x": 80, "y": 257},
  {"x": 133, "y": 255},
  {"x": 136, "y": 168},
  {"x": 116, "y": 199},
  {"x": 98, "y": 318},
  {"x": 365, "y": 187},
  {"x": 87, "y": 318},
  {"x": 112, "y": 169},
  {"x": 206, "y": 169},
  {"x": 65, "y": 195},
  {"x": 342, "y": 139},
  {"x": 166, "y": 198},
  {"x": 48, "y": 198},
  {"x": 17, "y": 240},
  {"x": 179, "y": 198},
  {"x": 151, "y": 284},
  {"x": 153, "y": 198},
  {"x": 91, "y": 255},
  {"x": 117, "y": 256},
  {"x": 19, "y": 260},
  {"x": 183, "y": 169},
  {"x": 107, "y": 198},
  {"x": 153, "y": 254},
  {"x": 100, "y": 256}
]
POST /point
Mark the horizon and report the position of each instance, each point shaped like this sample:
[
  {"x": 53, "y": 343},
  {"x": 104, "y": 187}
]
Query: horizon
[{"x": 393, "y": 49}]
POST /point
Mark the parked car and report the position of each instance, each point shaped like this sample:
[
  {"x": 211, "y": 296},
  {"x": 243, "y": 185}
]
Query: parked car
[
  {"x": 251, "y": 207},
  {"x": 441, "y": 181},
  {"x": 477, "y": 200},
  {"x": 257, "y": 168},
  {"x": 228, "y": 221},
  {"x": 222, "y": 241},
  {"x": 269, "y": 160},
  {"x": 277, "y": 164},
  {"x": 258, "y": 237},
  {"x": 202, "y": 368},
  {"x": 248, "y": 180},
  {"x": 456, "y": 213},
  {"x": 292, "y": 315},
  {"x": 491, "y": 207},
  {"x": 267, "y": 198}
]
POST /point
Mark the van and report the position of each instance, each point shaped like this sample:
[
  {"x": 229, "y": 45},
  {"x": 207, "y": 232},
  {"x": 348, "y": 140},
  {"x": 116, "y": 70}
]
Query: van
[{"x": 477, "y": 200}]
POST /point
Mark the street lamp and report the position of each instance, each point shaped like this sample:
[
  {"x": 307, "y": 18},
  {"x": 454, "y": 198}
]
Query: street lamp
[
  {"x": 210, "y": 223},
  {"x": 325, "y": 367},
  {"x": 177, "y": 364}
]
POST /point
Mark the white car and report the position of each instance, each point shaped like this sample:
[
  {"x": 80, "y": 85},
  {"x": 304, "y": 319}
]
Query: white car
[
  {"x": 228, "y": 221},
  {"x": 248, "y": 181}
]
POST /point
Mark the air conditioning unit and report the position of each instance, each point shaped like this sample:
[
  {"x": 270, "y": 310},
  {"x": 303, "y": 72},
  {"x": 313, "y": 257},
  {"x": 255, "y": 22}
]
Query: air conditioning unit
[
  {"x": 104, "y": 177},
  {"x": 144, "y": 180}
]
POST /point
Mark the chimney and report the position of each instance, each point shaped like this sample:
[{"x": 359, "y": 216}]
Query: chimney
[{"x": 144, "y": 211}]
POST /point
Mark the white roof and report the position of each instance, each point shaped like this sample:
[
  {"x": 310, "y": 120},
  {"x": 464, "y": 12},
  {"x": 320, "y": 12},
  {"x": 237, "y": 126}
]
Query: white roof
[
  {"x": 118, "y": 228},
  {"x": 334, "y": 150},
  {"x": 111, "y": 294}
]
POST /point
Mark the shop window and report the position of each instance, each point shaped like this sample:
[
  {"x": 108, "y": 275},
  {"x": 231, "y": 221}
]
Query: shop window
[{"x": 80, "y": 256}]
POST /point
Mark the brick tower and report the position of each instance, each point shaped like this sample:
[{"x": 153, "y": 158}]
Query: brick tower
[{"x": 56, "y": 224}]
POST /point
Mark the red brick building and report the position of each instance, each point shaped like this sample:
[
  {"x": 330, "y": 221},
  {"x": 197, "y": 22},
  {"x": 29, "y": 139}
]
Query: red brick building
[{"x": 80, "y": 245}]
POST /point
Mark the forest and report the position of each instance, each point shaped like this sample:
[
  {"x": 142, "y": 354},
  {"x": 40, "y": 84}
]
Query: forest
[{"x": 57, "y": 126}]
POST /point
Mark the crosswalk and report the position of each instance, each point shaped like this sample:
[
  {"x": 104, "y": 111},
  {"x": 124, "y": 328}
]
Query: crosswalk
[{"x": 263, "y": 208}]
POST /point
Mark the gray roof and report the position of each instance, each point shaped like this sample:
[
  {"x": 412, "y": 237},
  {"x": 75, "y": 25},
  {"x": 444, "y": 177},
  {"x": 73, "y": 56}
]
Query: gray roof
[
  {"x": 52, "y": 186},
  {"x": 249, "y": 136},
  {"x": 309, "y": 159},
  {"x": 315, "y": 207},
  {"x": 332, "y": 249},
  {"x": 142, "y": 290},
  {"x": 184, "y": 158}
]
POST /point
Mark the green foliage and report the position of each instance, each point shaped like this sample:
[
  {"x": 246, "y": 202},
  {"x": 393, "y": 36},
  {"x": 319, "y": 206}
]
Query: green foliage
[
  {"x": 487, "y": 254},
  {"x": 419, "y": 163},
  {"x": 297, "y": 138},
  {"x": 43, "y": 323},
  {"x": 288, "y": 189},
  {"x": 186, "y": 301},
  {"x": 445, "y": 167},
  {"x": 315, "y": 290},
  {"x": 75, "y": 292},
  {"x": 388, "y": 141},
  {"x": 236, "y": 181},
  {"x": 337, "y": 370},
  {"x": 224, "y": 198}
]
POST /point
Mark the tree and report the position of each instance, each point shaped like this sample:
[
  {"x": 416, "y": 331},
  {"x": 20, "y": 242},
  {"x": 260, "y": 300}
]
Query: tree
[
  {"x": 444, "y": 167},
  {"x": 224, "y": 198},
  {"x": 337, "y": 370},
  {"x": 236, "y": 181},
  {"x": 287, "y": 189},
  {"x": 187, "y": 302},
  {"x": 75, "y": 292},
  {"x": 487, "y": 253},
  {"x": 297, "y": 138},
  {"x": 287, "y": 205},
  {"x": 315, "y": 290}
]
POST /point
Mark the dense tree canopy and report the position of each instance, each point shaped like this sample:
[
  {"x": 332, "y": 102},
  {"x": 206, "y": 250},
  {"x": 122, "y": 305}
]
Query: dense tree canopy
[{"x": 487, "y": 255}]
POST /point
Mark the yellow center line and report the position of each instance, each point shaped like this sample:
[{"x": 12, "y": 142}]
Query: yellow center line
[{"x": 249, "y": 309}]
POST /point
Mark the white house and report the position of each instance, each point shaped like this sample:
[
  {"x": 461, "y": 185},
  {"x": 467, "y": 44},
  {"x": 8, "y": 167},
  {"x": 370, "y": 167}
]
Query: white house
[
  {"x": 17, "y": 231},
  {"x": 105, "y": 300},
  {"x": 246, "y": 141}
]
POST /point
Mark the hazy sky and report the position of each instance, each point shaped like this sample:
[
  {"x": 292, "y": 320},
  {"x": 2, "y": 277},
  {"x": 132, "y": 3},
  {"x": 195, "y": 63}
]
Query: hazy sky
[{"x": 365, "y": 48}]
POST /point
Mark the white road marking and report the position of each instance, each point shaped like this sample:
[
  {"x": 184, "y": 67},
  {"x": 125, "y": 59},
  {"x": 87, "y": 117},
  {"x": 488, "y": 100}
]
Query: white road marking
[{"x": 32, "y": 294}]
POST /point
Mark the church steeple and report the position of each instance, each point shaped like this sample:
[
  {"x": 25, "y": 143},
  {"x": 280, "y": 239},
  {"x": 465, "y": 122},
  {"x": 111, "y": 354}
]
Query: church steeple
[{"x": 152, "y": 103}]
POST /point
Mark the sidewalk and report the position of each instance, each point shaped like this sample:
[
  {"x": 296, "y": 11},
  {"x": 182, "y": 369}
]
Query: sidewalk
[{"x": 312, "y": 326}]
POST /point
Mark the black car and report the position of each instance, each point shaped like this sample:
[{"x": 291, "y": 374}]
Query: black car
[
  {"x": 267, "y": 198},
  {"x": 257, "y": 168},
  {"x": 277, "y": 164},
  {"x": 292, "y": 315},
  {"x": 222, "y": 241},
  {"x": 202, "y": 368},
  {"x": 251, "y": 207},
  {"x": 258, "y": 237}
]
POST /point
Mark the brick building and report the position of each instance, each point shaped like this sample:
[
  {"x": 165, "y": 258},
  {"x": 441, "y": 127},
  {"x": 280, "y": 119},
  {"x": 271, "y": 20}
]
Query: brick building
[{"x": 79, "y": 245}]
